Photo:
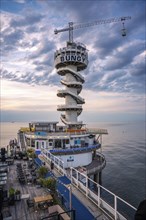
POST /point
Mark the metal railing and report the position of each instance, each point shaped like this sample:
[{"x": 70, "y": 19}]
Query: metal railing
[
  {"x": 101, "y": 164},
  {"x": 97, "y": 130},
  {"x": 58, "y": 163},
  {"x": 112, "y": 206}
]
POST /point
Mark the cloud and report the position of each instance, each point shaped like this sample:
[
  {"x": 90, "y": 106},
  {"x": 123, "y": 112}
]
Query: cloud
[
  {"x": 80, "y": 11},
  {"x": 13, "y": 38},
  {"x": 20, "y": 1},
  {"x": 44, "y": 47},
  {"x": 116, "y": 64},
  {"x": 29, "y": 19}
]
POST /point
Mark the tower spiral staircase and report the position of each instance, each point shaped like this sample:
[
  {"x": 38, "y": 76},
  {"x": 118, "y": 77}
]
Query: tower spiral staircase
[{"x": 68, "y": 62}]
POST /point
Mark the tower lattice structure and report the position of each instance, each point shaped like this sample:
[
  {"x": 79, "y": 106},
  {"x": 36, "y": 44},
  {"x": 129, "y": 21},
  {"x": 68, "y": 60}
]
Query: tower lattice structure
[{"x": 69, "y": 61}]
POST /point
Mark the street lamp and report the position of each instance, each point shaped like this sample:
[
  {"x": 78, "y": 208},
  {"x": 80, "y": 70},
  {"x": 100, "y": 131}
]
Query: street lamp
[
  {"x": 70, "y": 200},
  {"x": 70, "y": 197}
]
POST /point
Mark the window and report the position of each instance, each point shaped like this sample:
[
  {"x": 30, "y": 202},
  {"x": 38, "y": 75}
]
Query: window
[
  {"x": 37, "y": 145},
  {"x": 67, "y": 141},
  {"x": 75, "y": 141}
]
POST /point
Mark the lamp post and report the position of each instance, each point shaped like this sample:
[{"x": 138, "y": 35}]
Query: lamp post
[{"x": 70, "y": 199}]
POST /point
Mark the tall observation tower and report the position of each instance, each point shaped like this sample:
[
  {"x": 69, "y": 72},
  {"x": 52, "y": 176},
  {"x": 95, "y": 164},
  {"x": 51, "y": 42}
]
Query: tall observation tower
[{"x": 69, "y": 61}]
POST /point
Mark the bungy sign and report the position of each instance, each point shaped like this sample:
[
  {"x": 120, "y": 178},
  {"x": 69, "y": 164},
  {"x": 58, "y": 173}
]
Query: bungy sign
[{"x": 76, "y": 58}]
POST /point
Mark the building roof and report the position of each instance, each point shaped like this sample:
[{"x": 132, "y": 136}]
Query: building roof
[{"x": 44, "y": 122}]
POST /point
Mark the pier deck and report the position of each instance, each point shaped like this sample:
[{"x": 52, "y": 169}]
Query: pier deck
[{"x": 20, "y": 210}]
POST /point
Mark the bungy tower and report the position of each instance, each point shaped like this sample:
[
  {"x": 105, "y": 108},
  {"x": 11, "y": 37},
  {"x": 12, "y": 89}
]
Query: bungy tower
[{"x": 69, "y": 61}]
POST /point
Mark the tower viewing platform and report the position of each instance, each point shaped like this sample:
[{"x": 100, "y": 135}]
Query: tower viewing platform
[{"x": 68, "y": 62}]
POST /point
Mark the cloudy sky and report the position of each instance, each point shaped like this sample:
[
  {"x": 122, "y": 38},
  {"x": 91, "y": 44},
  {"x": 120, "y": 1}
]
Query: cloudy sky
[{"x": 114, "y": 88}]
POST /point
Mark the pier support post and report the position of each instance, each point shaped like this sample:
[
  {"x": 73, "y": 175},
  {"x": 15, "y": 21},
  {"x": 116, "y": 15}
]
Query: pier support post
[
  {"x": 98, "y": 177},
  {"x": 95, "y": 178},
  {"x": 94, "y": 154}
]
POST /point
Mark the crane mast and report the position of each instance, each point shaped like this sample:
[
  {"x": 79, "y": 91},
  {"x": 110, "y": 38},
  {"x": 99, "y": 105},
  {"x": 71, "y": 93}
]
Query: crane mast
[{"x": 72, "y": 27}]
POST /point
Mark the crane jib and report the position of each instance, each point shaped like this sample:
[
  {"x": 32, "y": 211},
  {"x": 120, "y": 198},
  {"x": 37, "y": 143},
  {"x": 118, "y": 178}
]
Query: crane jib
[{"x": 72, "y": 27}]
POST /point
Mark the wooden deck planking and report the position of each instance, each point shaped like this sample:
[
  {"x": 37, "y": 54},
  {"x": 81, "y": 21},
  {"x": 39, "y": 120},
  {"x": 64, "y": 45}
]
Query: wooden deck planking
[{"x": 20, "y": 211}]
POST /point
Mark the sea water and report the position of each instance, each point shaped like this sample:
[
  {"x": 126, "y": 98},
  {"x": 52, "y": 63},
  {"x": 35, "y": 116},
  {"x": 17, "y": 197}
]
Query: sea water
[{"x": 125, "y": 151}]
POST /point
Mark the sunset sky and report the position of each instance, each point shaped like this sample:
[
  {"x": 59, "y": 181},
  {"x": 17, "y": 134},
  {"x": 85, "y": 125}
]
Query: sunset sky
[{"x": 114, "y": 88}]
